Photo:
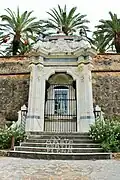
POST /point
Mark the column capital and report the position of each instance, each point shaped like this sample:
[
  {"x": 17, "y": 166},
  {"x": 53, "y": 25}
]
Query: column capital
[
  {"x": 81, "y": 59},
  {"x": 36, "y": 59},
  {"x": 83, "y": 67},
  {"x": 84, "y": 58},
  {"x": 31, "y": 66}
]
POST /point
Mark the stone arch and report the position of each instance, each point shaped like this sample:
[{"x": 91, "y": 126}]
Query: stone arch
[
  {"x": 68, "y": 72},
  {"x": 60, "y": 78}
]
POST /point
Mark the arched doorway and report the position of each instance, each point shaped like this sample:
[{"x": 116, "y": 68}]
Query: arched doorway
[{"x": 60, "y": 103}]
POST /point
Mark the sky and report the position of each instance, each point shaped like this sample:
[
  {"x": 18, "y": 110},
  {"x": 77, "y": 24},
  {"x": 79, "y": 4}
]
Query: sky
[{"x": 95, "y": 9}]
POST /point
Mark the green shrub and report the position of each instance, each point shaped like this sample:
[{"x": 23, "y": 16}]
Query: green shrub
[
  {"x": 107, "y": 133},
  {"x": 6, "y": 136}
]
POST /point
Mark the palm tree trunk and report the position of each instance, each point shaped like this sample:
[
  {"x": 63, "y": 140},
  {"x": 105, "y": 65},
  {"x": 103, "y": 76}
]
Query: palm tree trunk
[
  {"x": 117, "y": 42},
  {"x": 16, "y": 43},
  {"x": 15, "y": 47}
]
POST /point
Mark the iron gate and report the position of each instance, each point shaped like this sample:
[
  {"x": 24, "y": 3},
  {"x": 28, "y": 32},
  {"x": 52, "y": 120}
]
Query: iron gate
[{"x": 60, "y": 108}]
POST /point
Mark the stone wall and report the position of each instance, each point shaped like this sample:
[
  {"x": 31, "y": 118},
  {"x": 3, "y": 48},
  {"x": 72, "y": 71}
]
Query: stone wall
[
  {"x": 106, "y": 91},
  {"x": 14, "y": 84},
  {"x": 106, "y": 83},
  {"x": 13, "y": 94}
]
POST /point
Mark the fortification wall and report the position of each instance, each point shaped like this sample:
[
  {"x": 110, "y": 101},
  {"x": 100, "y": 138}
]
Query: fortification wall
[{"x": 106, "y": 83}]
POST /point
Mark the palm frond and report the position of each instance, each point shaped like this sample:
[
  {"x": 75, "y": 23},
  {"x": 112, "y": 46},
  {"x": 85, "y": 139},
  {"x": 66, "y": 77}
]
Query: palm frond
[{"x": 69, "y": 21}]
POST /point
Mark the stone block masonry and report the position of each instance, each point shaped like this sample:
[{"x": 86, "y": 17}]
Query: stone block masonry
[
  {"x": 106, "y": 83},
  {"x": 14, "y": 86},
  {"x": 106, "y": 92},
  {"x": 13, "y": 94}
]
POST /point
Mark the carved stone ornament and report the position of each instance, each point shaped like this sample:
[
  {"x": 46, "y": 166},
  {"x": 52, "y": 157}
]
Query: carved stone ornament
[
  {"x": 61, "y": 45},
  {"x": 90, "y": 67},
  {"x": 40, "y": 68},
  {"x": 31, "y": 66},
  {"x": 90, "y": 78},
  {"x": 82, "y": 78},
  {"x": 36, "y": 59},
  {"x": 81, "y": 67}
]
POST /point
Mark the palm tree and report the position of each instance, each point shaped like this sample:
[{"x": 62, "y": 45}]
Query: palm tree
[
  {"x": 99, "y": 42},
  {"x": 68, "y": 23},
  {"x": 19, "y": 27},
  {"x": 111, "y": 31}
]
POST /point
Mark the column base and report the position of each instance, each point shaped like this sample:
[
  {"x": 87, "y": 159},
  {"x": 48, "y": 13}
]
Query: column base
[
  {"x": 34, "y": 123},
  {"x": 84, "y": 122}
]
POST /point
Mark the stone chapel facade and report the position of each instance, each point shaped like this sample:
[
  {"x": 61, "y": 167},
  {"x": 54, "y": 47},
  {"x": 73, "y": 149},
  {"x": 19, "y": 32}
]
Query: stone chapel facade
[{"x": 60, "y": 92}]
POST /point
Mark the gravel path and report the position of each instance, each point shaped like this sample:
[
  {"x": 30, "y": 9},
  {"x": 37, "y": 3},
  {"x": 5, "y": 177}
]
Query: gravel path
[{"x": 27, "y": 169}]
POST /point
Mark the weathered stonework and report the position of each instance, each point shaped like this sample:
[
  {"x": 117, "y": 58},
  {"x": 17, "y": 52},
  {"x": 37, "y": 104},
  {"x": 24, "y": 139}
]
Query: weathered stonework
[
  {"x": 15, "y": 76},
  {"x": 13, "y": 94},
  {"x": 106, "y": 83},
  {"x": 106, "y": 92},
  {"x": 107, "y": 62},
  {"x": 14, "y": 65}
]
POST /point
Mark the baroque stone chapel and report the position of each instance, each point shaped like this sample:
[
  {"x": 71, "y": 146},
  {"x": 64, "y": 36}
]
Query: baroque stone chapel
[{"x": 60, "y": 92}]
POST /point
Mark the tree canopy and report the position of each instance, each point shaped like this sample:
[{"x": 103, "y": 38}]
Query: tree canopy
[
  {"x": 69, "y": 22},
  {"x": 18, "y": 31},
  {"x": 110, "y": 32},
  {"x": 19, "y": 27}
]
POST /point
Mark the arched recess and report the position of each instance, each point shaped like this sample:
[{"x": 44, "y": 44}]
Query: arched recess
[
  {"x": 60, "y": 103},
  {"x": 70, "y": 72}
]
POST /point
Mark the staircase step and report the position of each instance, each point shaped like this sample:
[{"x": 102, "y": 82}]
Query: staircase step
[
  {"x": 50, "y": 145},
  {"x": 74, "y": 145},
  {"x": 60, "y": 156},
  {"x": 52, "y": 141},
  {"x": 60, "y": 133},
  {"x": 62, "y": 136},
  {"x": 58, "y": 149}
]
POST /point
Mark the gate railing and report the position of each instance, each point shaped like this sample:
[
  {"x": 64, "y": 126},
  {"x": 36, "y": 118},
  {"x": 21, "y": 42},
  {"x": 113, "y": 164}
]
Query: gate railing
[
  {"x": 60, "y": 108},
  {"x": 60, "y": 125}
]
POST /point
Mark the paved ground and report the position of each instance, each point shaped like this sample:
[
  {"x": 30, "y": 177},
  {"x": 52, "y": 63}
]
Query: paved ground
[{"x": 27, "y": 169}]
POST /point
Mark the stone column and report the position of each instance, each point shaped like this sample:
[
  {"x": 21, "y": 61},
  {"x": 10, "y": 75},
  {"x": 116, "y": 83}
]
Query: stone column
[
  {"x": 85, "y": 115},
  {"x": 35, "y": 116}
]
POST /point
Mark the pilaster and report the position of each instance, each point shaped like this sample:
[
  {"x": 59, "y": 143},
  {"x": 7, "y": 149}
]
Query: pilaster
[
  {"x": 85, "y": 115},
  {"x": 35, "y": 116}
]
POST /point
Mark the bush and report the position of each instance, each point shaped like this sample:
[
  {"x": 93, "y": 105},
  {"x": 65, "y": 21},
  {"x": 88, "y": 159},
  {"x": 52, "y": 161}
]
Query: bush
[
  {"x": 107, "y": 133},
  {"x": 6, "y": 136}
]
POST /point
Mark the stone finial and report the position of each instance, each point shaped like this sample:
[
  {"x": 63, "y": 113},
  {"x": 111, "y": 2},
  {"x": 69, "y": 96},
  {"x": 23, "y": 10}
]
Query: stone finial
[
  {"x": 24, "y": 108},
  {"x": 97, "y": 108}
]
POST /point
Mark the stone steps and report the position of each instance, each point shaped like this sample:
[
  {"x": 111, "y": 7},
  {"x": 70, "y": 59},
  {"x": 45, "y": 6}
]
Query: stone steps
[
  {"x": 52, "y": 140},
  {"x": 60, "y": 156},
  {"x": 49, "y": 145},
  {"x": 74, "y": 145},
  {"x": 59, "y": 137},
  {"x": 60, "y": 149},
  {"x": 60, "y": 133}
]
